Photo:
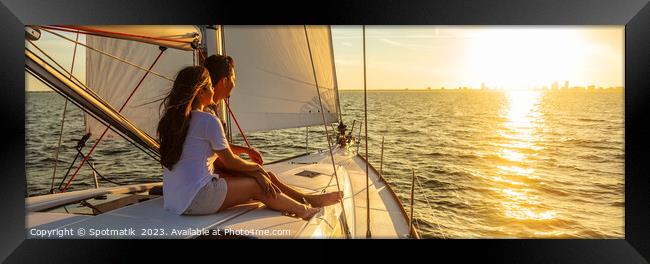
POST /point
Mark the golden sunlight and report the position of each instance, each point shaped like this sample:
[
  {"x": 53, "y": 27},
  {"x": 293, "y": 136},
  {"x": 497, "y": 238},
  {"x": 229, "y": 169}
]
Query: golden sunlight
[
  {"x": 520, "y": 58},
  {"x": 522, "y": 118}
]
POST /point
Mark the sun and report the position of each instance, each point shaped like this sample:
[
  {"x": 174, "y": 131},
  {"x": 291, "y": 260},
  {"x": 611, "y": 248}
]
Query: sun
[{"x": 520, "y": 58}]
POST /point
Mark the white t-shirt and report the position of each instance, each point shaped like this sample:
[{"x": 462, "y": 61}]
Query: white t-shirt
[{"x": 194, "y": 169}]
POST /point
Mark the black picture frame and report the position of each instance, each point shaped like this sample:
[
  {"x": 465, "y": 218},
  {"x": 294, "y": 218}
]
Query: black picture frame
[{"x": 634, "y": 14}]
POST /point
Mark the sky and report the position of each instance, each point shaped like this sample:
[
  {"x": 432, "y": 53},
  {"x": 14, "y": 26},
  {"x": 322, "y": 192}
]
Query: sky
[
  {"x": 514, "y": 57},
  {"x": 417, "y": 57}
]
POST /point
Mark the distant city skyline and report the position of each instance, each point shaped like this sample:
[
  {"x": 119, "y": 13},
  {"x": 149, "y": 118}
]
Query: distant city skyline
[
  {"x": 512, "y": 57},
  {"x": 418, "y": 57}
]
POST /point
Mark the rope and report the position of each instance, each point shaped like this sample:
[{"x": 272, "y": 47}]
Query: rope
[
  {"x": 329, "y": 144},
  {"x": 237, "y": 123},
  {"x": 365, "y": 114},
  {"x": 95, "y": 170},
  {"x": 91, "y": 92},
  {"x": 119, "y": 133},
  {"x": 202, "y": 56},
  {"x": 81, "y": 143},
  {"x": 65, "y": 107},
  {"x": 108, "y": 54},
  {"x": 72, "y": 77},
  {"x": 96, "y": 31},
  {"x": 107, "y": 128},
  {"x": 358, "y": 141},
  {"x": 429, "y": 204}
]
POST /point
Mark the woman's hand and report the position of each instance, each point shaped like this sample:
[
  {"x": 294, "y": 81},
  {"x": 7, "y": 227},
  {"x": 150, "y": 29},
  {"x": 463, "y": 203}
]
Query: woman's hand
[
  {"x": 267, "y": 186},
  {"x": 255, "y": 156}
]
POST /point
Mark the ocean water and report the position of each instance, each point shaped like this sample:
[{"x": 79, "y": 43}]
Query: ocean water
[{"x": 490, "y": 164}]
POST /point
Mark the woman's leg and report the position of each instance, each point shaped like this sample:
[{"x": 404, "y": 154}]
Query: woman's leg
[
  {"x": 317, "y": 200},
  {"x": 286, "y": 189},
  {"x": 242, "y": 189}
]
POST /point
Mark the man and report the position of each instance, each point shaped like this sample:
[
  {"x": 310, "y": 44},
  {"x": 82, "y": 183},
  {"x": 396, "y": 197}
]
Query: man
[
  {"x": 212, "y": 64},
  {"x": 222, "y": 74}
]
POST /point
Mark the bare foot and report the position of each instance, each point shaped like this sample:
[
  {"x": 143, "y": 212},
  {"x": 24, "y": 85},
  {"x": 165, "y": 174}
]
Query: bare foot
[
  {"x": 326, "y": 199},
  {"x": 308, "y": 213}
]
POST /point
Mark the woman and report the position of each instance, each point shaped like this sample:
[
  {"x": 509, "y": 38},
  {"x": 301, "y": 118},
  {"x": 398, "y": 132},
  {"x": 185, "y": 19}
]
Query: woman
[
  {"x": 222, "y": 70},
  {"x": 190, "y": 141}
]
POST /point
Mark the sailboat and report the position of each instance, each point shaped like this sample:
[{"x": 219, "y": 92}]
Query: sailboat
[{"x": 286, "y": 78}]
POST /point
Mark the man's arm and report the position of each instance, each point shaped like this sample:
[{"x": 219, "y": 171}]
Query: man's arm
[{"x": 235, "y": 163}]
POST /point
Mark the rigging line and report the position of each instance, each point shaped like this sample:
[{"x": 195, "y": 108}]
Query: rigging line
[
  {"x": 109, "y": 55},
  {"x": 119, "y": 133},
  {"x": 95, "y": 170},
  {"x": 70, "y": 167},
  {"x": 277, "y": 98},
  {"x": 96, "y": 31},
  {"x": 73, "y": 79},
  {"x": 365, "y": 114},
  {"x": 329, "y": 144},
  {"x": 291, "y": 78},
  {"x": 340, "y": 163},
  {"x": 65, "y": 107},
  {"x": 90, "y": 91},
  {"x": 417, "y": 227},
  {"x": 239, "y": 127},
  {"x": 162, "y": 50},
  {"x": 202, "y": 55},
  {"x": 428, "y": 203},
  {"x": 154, "y": 100}
]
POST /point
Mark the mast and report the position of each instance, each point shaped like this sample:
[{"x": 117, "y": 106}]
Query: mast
[{"x": 222, "y": 51}]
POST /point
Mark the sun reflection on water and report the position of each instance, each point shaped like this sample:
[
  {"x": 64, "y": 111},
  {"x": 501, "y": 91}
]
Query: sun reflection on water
[{"x": 522, "y": 120}]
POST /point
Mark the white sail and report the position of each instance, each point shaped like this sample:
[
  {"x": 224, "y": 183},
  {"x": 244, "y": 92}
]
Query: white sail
[
  {"x": 275, "y": 80},
  {"x": 275, "y": 85},
  {"x": 114, "y": 80}
]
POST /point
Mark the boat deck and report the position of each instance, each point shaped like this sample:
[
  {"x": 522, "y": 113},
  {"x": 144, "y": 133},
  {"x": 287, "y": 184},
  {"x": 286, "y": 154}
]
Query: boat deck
[{"x": 310, "y": 173}]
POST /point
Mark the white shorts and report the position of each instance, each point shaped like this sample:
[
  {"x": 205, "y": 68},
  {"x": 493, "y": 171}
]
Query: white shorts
[{"x": 209, "y": 199}]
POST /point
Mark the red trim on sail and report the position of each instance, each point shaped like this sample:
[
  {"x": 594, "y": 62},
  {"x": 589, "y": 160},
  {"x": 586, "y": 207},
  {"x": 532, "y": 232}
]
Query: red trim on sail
[{"x": 97, "y": 32}]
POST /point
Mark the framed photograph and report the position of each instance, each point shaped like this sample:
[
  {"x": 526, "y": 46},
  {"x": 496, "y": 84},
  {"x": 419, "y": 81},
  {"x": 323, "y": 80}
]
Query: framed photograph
[{"x": 511, "y": 129}]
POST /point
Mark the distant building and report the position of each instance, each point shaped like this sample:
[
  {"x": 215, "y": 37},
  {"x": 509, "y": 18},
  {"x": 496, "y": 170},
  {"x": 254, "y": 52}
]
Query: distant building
[
  {"x": 554, "y": 86},
  {"x": 566, "y": 85}
]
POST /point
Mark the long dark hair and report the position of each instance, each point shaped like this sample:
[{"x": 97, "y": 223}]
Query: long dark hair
[{"x": 173, "y": 126}]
